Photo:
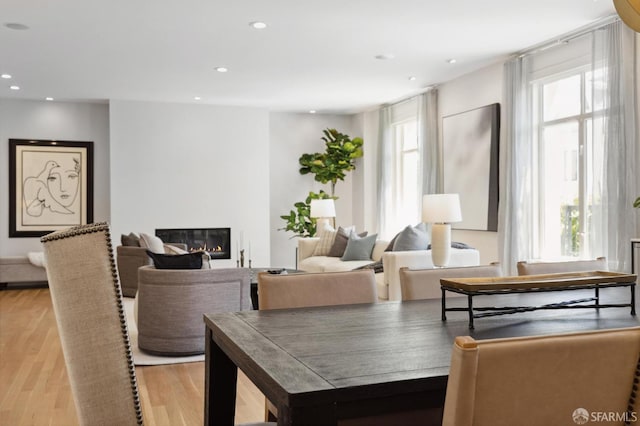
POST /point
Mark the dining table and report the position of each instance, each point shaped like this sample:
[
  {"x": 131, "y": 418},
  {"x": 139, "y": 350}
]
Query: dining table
[{"x": 323, "y": 365}]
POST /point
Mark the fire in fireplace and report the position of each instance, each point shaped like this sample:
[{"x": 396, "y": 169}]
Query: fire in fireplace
[{"x": 215, "y": 241}]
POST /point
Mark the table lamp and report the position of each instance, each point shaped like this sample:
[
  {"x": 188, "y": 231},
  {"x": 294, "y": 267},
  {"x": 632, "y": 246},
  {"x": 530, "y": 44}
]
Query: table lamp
[
  {"x": 323, "y": 210},
  {"x": 441, "y": 210}
]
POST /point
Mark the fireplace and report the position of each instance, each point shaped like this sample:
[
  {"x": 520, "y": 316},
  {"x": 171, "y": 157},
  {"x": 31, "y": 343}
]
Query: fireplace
[{"x": 216, "y": 241}]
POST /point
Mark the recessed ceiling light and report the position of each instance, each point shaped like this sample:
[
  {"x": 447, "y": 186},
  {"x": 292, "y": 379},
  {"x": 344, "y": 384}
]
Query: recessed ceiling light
[
  {"x": 312, "y": 111},
  {"x": 14, "y": 87},
  {"x": 412, "y": 78},
  {"x": 16, "y": 26},
  {"x": 221, "y": 69},
  {"x": 5, "y": 76},
  {"x": 197, "y": 98},
  {"x": 451, "y": 61},
  {"x": 258, "y": 25},
  {"x": 48, "y": 98},
  {"x": 384, "y": 56}
]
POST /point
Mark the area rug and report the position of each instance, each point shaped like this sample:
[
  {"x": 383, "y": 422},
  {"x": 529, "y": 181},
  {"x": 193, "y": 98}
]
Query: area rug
[{"x": 142, "y": 358}]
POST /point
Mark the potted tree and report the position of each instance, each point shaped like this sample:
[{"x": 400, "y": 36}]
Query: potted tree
[{"x": 329, "y": 166}]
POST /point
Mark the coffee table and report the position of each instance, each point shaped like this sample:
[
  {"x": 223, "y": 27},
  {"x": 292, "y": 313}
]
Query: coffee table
[{"x": 595, "y": 280}]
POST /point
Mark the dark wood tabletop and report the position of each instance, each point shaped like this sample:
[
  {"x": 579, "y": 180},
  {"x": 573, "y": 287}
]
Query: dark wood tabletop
[{"x": 321, "y": 364}]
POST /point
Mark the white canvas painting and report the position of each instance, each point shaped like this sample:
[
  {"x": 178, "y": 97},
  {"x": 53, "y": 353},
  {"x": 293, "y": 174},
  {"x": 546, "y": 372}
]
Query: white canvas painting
[{"x": 470, "y": 162}]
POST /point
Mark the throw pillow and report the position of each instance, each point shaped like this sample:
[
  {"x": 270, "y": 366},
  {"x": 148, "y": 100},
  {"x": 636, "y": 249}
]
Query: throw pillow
[
  {"x": 151, "y": 242},
  {"x": 412, "y": 238},
  {"x": 340, "y": 242},
  {"x": 359, "y": 248},
  {"x": 131, "y": 240},
  {"x": 169, "y": 249},
  {"x": 327, "y": 235},
  {"x": 176, "y": 261}
]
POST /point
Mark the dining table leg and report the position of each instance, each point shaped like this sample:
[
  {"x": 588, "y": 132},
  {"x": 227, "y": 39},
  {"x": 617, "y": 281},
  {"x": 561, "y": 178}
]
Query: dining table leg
[{"x": 220, "y": 377}]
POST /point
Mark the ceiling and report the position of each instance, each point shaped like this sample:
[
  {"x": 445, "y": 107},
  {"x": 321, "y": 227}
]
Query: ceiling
[{"x": 314, "y": 55}]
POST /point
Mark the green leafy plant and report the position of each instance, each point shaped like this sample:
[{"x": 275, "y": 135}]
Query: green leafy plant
[
  {"x": 636, "y": 203},
  {"x": 299, "y": 220},
  {"x": 339, "y": 157},
  {"x": 329, "y": 166}
]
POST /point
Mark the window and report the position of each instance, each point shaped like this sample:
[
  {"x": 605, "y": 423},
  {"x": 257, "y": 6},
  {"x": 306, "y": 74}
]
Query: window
[
  {"x": 569, "y": 134},
  {"x": 405, "y": 179}
]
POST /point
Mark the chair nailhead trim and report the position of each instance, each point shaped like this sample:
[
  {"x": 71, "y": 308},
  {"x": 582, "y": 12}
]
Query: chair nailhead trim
[{"x": 632, "y": 397}]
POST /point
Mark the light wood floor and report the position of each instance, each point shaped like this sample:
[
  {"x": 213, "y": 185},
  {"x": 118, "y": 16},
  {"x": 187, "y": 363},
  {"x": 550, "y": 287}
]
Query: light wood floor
[{"x": 34, "y": 389}]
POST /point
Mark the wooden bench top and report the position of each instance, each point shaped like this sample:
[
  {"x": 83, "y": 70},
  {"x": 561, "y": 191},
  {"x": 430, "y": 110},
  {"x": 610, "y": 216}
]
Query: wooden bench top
[{"x": 571, "y": 279}]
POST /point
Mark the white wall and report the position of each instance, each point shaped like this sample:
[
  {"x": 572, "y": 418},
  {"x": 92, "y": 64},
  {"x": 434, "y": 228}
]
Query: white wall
[
  {"x": 471, "y": 91},
  {"x": 290, "y": 136},
  {"x": 191, "y": 166},
  {"x": 52, "y": 120}
]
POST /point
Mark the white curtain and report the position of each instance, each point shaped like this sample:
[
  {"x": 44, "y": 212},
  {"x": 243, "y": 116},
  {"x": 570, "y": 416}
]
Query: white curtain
[
  {"x": 613, "y": 186},
  {"x": 424, "y": 110},
  {"x": 611, "y": 177},
  {"x": 515, "y": 212},
  {"x": 428, "y": 142},
  {"x": 385, "y": 172}
]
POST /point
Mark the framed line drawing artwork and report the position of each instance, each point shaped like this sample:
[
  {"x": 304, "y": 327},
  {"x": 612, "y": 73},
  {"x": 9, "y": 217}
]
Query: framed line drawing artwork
[
  {"x": 470, "y": 165},
  {"x": 50, "y": 186}
]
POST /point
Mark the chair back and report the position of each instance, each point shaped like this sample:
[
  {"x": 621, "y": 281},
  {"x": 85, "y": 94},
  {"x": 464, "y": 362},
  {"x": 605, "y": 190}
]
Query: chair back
[
  {"x": 537, "y": 268},
  {"x": 543, "y": 380},
  {"x": 87, "y": 301},
  {"x": 316, "y": 289},
  {"x": 419, "y": 284}
]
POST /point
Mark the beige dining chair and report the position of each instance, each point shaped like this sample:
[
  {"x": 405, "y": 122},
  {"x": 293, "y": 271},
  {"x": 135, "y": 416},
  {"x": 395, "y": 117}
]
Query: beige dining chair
[
  {"x": 417, "y": 284},
  {"x": 535, "y": 268},
  {"x": 544, "y": 380},
  {"x": 280, "y": 291},
  {"x": 87, "y": 301}
]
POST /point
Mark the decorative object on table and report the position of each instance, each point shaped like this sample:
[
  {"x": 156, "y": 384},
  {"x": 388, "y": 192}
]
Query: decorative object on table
[
  {"x": 323, "y": 211},
  {"x": 441, "y": 210},
  {"x": 50, "y": 186},
  {"x": 629, "y": 12},
  {"x": 242, "y": 258},
  {"x": 474, "y": 177},
  {"x": 329, "y": 166}
]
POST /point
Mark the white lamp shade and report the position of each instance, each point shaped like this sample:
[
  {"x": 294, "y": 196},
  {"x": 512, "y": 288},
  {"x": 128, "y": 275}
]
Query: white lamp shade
[
  {"x": 323, "y": 208},
  {"x": 441, "y": 208}
]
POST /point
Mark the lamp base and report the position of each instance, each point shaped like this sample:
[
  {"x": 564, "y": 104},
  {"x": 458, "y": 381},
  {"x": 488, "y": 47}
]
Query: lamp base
[{"x": 440, "y": 244}]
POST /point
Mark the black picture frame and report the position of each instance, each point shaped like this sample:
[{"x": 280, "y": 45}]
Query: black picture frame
[{"x": 50, "y": 186}]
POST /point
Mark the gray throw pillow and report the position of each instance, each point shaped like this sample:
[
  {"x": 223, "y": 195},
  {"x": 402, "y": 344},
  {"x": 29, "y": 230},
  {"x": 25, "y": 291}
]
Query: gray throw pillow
[
  {"x": 412, "y": 238},
  {"x": 340, "y": 242},
  {"x": 131, "y": 240},
  {"x": 359, "y": 248}
]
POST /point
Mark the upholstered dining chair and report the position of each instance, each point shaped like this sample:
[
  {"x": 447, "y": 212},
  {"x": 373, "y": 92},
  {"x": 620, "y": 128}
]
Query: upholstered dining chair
[
  {"x": 280, "y": 291},
  {"x": 544, "y": 380},
  {"x": 419, "y": 284},
  {"x": 535, "y": 268},
  {"x": 87, "y": 301}
]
